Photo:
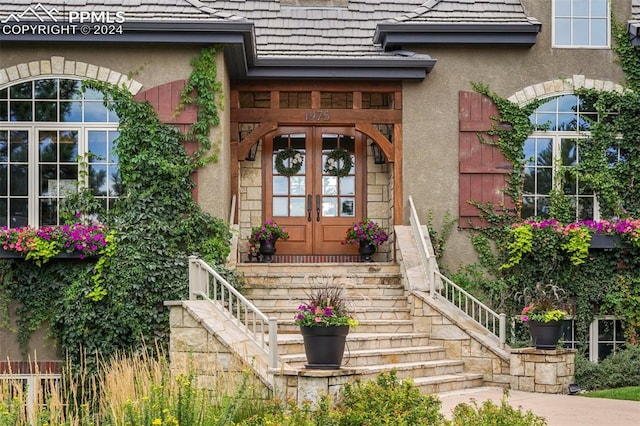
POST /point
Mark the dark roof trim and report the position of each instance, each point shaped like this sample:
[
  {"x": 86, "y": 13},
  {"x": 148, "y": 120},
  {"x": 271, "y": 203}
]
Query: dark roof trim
[
  {"x": 387, "y": 67},
  {"x": 393, "y": 35},
  {"x": 238, "y": 39}
]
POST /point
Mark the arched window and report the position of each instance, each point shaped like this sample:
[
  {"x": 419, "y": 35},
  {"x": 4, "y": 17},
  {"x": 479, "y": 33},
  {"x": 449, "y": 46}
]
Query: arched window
[
  {"x": 48, "y": 128},
  {"x": 549, "y": 153}
]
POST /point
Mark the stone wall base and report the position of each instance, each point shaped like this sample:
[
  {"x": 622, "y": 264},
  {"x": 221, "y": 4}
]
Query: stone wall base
[
  {"x": 307, "y": 386},
  {"x": 543, "y": 371}
]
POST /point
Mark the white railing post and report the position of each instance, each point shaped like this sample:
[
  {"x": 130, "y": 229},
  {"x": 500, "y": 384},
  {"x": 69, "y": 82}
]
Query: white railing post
[
  {"x": 447, "y": 289},
  {"x": 273, "y": 342},
  {"x": 235, "y": 306},
  {"x": 193, "y": 277},
  {"x": 431, "y": 274},
  {"x": 503, "y": 330}
]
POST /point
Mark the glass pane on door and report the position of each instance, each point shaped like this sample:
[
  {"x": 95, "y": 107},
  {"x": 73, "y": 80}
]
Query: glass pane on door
[
  {"x": 289, "y": 176},
  {"x": 338, "y": 189}
]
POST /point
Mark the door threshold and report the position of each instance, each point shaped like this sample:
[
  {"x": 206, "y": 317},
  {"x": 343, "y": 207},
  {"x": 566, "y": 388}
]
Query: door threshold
[{"x": 316, "y": 258}]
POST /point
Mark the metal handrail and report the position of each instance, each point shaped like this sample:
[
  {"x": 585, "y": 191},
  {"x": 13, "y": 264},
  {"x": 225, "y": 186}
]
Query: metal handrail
[
  {"x": 234, "y": 306},
  {"x": 443, "y": 287}
]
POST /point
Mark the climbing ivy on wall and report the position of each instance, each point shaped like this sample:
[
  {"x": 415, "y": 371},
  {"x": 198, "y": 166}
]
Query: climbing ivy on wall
[
  {"x": 597, "y": 285},
  {"x": 208, "y": 99},
  {"x": 158, "y": 225}
]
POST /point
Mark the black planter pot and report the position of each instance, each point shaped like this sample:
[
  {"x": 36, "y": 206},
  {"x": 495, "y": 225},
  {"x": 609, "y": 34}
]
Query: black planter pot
[
  {"x": 324, "y": 346},
  {"x": 366, "y": 250},
  {"x": 545, "y": 335},
  {"x": 267, "y": 250}
]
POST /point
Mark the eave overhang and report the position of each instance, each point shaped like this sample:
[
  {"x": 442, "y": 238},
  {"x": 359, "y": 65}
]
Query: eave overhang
[
  {"x": 400, "y": 67},
  {"x": 393, "y": 36},
  {"x": 238, "y": 39}
]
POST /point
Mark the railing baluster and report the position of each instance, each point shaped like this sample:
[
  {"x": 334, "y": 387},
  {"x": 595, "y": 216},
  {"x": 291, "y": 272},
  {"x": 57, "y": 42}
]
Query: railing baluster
[{"x": 235, "y": 306}]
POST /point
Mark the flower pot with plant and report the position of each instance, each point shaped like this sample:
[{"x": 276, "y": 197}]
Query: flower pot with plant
[
  {"x": 265, "y": 236},
  {"x": 369, "y": 235},
  {"x": 544, "y": 313},
  {"x": 324, "y": 322},
  {"x": 62, "y": 241}
]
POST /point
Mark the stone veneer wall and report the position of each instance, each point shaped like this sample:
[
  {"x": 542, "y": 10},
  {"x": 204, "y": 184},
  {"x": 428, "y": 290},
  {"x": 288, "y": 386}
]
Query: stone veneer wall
[
  {"x": 380, "y": 202},
  {"x": 192, "y": 348},
  {"x": 543, "y": 371},
  {"x": 477, "y": 356},
  {"x": 195, "y": 349},
  {"x": 250, "y": 200},
  {"x": 379, "y": 184}
]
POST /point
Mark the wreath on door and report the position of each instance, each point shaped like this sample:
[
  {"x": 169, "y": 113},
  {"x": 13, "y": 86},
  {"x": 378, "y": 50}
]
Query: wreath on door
[
  {"x": 334, "y": 159},
  {"x": 295, "y": 158}
]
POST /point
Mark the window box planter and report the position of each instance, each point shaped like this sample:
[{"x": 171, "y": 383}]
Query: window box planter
[
  {"x": 604, "y": 241},
  {"x": 7, "y": 254}
]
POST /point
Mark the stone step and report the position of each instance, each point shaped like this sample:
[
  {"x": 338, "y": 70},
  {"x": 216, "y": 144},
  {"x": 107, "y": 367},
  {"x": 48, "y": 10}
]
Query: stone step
[
  {"x": 383, "y": 341},
  {"x": 322, "y": 269},
  {"x": 292, "y": 343},
  {"x": 364, "y": 326},
  {"x": 367, "y": 357},
  {"x": 301, "y": 291},
  {"x": 449, "y": 382},
  {"x": 378, "y": 302},
  {"x": 409, "y": 370},
  {"x": 362, "y": 313}
]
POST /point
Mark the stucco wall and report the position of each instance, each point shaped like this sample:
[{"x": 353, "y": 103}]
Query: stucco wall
[
  {"x": 41, "y": 346},
  {"x": 150, "y": 67},
  {"x": 430, "y": 113},
  {"x": 214, "y": 180}
]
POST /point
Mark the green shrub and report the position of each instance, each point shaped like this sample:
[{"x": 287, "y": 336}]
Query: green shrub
[
  {"x": 387, "y": 401},
  {"x": 490, "y": 414},
  {"x": 612, "y": 372}
]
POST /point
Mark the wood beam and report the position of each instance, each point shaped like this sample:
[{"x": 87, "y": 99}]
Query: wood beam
[
  {"x": 385, "y": 145},
  {"x": 252, "y": 138}
]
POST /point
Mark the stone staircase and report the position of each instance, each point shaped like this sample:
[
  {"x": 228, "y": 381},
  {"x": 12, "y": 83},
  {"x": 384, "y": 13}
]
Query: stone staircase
[{"x": 386, "y": 337}]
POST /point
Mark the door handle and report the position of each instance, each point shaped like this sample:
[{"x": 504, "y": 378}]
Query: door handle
[
  {"x": 309, "y": 208},
  {"x": 317, "y": 208}
]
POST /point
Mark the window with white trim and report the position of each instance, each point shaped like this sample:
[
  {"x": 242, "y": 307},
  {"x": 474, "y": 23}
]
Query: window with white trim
[
  {"x": 606, "y": 337},
  {"x": 549, "y": 153},
  {"x": 581, "y": 23},
  {"x": 46, "y": 126}
]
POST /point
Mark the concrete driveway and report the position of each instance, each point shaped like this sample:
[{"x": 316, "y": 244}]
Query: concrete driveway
[{"x": 558, "y": 410}]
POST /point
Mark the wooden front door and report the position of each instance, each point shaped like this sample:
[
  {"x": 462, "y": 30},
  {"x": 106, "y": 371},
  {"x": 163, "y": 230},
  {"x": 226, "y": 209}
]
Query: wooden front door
[{"x": 314, "y": 205}]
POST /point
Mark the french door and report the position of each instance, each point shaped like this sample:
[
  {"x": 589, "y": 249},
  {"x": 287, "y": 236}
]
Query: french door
[{"x": 315, "y": 204}]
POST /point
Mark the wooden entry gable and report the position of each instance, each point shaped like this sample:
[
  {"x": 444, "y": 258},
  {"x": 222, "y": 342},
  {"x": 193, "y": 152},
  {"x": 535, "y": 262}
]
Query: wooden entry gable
[{"x": 263, "y": 107}]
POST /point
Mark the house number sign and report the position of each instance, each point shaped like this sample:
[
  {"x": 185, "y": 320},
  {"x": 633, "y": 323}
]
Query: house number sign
[{"x": 317, "y": 115}]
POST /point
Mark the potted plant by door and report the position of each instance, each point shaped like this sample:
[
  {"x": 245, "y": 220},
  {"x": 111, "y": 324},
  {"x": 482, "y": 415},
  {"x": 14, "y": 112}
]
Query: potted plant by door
[
  {"x": 369, "y": 235},
  {"x": 544, "y": 315},
  {"x": 324, "y": 322},
  {"x": 265, "y": 237}
]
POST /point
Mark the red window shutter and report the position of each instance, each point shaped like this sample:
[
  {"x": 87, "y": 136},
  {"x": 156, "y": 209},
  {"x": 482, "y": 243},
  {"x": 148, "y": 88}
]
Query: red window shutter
[
  {"x": 483, "y": 169},
  {"x": 166, "y": 99}
]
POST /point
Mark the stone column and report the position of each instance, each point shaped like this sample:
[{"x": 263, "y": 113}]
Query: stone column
[{"x": 541, "y": 370}]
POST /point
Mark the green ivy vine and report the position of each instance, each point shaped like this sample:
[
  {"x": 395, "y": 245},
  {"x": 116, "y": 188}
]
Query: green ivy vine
[
  {"x": 205, "y": 91},
  {"x": 598, "y": 281},
  {"x": 117, "y": 303}
]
